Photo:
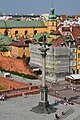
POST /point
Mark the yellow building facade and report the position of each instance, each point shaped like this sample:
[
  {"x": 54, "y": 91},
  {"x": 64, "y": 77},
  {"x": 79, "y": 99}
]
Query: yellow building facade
[
  {"x": 51, "y": 26},
  {"x": 29, "y": 27},
  {"x": 78, "y": 59},
  {"x": 17, "y": 51},
  {"x": 12, "y": 28}
]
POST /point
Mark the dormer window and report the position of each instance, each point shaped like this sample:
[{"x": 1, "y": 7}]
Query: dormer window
[
  {"x": 63, "y": 44},
  {"x": 74, "y": 43}
]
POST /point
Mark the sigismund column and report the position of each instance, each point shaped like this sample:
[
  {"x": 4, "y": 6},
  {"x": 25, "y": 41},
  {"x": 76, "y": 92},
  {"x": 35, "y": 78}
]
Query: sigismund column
[
  {"x": 44, "y": 89},
  {"x": 44, "y": 106}
]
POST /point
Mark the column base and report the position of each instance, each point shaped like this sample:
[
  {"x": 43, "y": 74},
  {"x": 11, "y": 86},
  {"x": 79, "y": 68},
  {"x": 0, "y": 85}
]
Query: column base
[{"x": 44, "y": 108}]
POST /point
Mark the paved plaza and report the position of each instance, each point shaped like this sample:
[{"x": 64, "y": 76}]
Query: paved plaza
[
  {"x": 59, "y": 90},
  {"x": 20, "y": 109}
]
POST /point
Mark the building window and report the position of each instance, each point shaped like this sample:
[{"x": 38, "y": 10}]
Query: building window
[
  {"x": 79, "y": 62},
  {"x": 73, "y": 63},
  {"x": 52, "y": 23},
  {"x": 73, "y": 71},
  {"x": 23, "y": 48},
  {"x": 78, "y": 48},
  {"x": 73, "y": 56},
  {"x": 16, "y": 32},
  {"x": 74, "y": 50},
  {"x": 77, "y": 71},
  {"x": 6, "y": 32},
  {"x": 35, "y": 32},
  {"x": 78, "y": 55},
  {"x": 26, "y": 32},
  {"x": 74, "y": 43}
]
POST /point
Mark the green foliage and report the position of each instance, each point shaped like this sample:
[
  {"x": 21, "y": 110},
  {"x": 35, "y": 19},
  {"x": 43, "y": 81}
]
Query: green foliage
[
  {"x": 1, "y": 69},
  {"x": 4, "y": 49},
  {"x": 2, "y": 88},
  {"x": 72, "y": 16},
  {"x": 19, "y": 74}
]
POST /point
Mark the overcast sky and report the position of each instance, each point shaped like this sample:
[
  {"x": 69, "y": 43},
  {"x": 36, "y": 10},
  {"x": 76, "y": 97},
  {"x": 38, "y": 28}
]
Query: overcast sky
[{"x": 69, "y": 7}]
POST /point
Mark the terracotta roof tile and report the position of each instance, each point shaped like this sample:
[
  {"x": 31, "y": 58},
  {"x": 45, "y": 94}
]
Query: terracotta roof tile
[
  {"x": 55, "y": 33},
  {"x": 58, "y": 42},
  {"x": 76, "y": 33},
  {"x": 21, "y": 42},
  {"x": 65, "y": 28}
]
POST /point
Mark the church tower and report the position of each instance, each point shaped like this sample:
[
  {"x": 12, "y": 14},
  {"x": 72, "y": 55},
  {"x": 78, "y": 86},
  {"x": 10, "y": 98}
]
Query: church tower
[{"x": 52, "y": 22}]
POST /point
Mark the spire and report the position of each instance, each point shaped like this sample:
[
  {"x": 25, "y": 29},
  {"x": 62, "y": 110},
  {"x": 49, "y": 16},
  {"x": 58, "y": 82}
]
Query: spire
[
  {"x": 52, "y": 4},
  {"x": 52, "y": 15}
]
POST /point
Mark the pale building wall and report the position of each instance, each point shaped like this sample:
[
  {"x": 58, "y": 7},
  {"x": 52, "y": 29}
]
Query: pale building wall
[
  {"x": 57, "y": 60},
  {"x": 19, "y": 51}
]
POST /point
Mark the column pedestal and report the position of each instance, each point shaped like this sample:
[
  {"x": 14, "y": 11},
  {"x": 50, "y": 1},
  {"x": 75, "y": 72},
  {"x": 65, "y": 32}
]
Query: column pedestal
[{"x": 44, "y": 106}]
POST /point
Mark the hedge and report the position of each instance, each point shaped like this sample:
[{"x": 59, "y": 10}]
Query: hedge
[{"x": 19, "y": 74}]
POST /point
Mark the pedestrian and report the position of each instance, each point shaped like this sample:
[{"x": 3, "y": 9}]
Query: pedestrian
[
  {"x": 57, "y": 92},
  {"x": 65, "y": 98},
  {"x": 23, "y": 94},
  {"x": 3, "y": 97},
  {"x": 67, "y": 87},
  {"x": 56, "y": 116},
  {"x": 64, "y": 88},
  {"x": 74, "y": 89},
  {"x": 56, "y": 102},
  {"x": 63, "y": 113},
  {"x": 29, "y": 87}
]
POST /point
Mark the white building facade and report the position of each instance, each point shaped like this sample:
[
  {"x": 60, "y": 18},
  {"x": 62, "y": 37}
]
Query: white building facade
[{"x": 57, "y": 60}]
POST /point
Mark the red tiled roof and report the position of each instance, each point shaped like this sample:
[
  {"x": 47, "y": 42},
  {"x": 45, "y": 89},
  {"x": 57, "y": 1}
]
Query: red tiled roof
[
  {"x": 63, "y": 17},
  {"x": 21, "y": 42},
  {"x": 65, "y": 28},
  {"x": 76, "y": 33},
  {"x": 14, "y": 64},
  {"x": 55, "y": 33},
  {"x": 58, "y": 42}
]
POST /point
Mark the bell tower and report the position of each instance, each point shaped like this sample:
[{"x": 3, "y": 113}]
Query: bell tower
[{"x": 52, "y": 22}]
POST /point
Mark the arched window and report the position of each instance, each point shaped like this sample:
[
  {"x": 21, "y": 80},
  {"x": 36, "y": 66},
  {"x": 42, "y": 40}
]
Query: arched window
[
  {"x": 26, "y": 32},
  {"x": 35, "y": 32},
  {"x": 52, "y": 23},
  {"x": 78, "y": 55},
  {"x": 16, "y": 32},
  {"x": 6, "y": 32}
]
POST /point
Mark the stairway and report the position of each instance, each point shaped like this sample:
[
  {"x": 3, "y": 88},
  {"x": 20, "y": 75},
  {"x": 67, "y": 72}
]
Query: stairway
[
  {"x": 67, "y": 113},
  {"x": 77, "y": 118}
]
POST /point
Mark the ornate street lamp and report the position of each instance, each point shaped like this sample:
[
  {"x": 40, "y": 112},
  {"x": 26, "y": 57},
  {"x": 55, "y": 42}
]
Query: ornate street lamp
[{"x": 44, "y": 106}]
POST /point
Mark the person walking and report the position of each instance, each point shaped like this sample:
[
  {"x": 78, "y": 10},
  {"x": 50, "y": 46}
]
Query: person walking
[{"x": 57, "y": 117}]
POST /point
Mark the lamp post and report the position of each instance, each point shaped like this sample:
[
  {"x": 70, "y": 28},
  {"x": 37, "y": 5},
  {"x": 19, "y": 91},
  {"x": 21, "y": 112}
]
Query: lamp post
[{"x": 44, "y": 106}]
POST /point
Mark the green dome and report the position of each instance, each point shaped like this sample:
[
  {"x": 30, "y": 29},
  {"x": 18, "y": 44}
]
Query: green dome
[{"x": 52, "y": 15}]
